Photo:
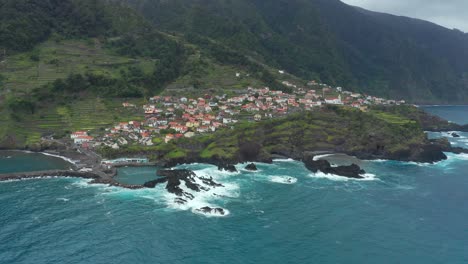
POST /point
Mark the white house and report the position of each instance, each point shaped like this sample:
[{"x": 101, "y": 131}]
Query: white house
[{"x": 335, "y": 101}]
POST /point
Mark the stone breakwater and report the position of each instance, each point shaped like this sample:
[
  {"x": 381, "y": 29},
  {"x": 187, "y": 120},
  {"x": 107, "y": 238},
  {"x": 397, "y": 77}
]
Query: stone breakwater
[{"x": 96, "y": 177}]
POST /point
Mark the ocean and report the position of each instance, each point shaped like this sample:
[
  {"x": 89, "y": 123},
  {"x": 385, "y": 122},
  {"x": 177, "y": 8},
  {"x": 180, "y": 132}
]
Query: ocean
[{"x": 401, "y": 213}]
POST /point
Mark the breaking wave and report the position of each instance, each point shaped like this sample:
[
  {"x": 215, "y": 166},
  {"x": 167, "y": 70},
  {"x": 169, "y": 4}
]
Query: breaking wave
[
  {"x": 283, "y": 179},
  {"x": 333, "y": 177}
]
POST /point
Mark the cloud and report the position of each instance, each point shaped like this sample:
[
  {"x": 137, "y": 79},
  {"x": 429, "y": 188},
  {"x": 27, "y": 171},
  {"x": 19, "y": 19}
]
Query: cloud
[{"x": 447, "y": 13}]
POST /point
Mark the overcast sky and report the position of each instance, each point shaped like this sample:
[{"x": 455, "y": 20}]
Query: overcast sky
[{"x": 448, "y": 13}]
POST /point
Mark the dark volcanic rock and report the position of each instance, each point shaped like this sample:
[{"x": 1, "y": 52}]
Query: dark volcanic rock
[
  {"x": 152, "y": 184},
  {"x": 352, "y": 171},
  {"x": 445, "y": 146},
  {"x": 251, "y": 167},
  {"x": 227, "y": 167},
  {"x": 429, "y": 154},
  {"x": 455, "y": 135},
  {"x": 210, "y": 182},
  {"x": 174, "y": 179},
  {"x": 209, "y": 210}
]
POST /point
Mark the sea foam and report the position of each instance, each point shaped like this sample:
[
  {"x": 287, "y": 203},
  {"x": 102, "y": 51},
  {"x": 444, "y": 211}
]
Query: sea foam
[
  {"x": 60, "y": 157},
  {"x": 283, "y": 160},
  {"x": 283, "y": 179},
  {"x": 206, "y": 198},
  {"x": 318, "y": 157},
  {"x": 333, "y": 177}
]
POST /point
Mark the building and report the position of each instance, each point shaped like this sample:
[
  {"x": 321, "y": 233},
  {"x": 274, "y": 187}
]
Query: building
[
  {"x": 78, "y": 134},
  {"x": 82, "y": 139}
]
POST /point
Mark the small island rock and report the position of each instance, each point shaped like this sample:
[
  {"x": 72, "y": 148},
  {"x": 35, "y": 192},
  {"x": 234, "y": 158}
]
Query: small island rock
[
  {"x": 352, "y": 171},
  {"x": 227, "y": 167},
  {"x": 209, "y": 210},
  {"x": 251, "y": 167}
]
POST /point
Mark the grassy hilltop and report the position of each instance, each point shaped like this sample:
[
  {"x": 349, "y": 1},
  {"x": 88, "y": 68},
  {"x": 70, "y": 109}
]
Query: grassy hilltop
[{"x": 380, "y": 132}]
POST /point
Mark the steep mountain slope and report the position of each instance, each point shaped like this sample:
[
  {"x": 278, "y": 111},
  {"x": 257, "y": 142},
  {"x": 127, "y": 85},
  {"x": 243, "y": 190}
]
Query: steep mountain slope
[
  {"x": 64, "y": 63},
  {"x": 411, "y": 57},
  {"x": 284, "y": 34},
  {"x": 327, "y": 39}
]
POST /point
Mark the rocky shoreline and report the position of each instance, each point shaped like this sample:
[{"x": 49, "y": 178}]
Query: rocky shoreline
[
  {"x": 86, "y": 164},
  {"x": 96, "y": 177}
]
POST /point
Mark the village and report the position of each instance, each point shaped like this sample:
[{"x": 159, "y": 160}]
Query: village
[{"x": 169, "y": 117}]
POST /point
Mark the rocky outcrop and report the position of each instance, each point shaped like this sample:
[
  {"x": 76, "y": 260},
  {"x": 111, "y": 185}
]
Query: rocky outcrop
[
  {"x": 154, "y": 183},
  {"x": 352, "y": 171},
  {"x": 455, "y": 135},
  {"x": 209, "y": 210},
  {"x": 446, "y": 146},
  {"x": 429, "y": 154},
  {"x": 227, "y": 167},
  {"x": 174, "y": 180},
  {"x": 251, "y": 167}
]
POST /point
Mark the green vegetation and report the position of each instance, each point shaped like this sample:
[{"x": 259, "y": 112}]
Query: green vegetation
[
  {"x": 58, "y": 60},
  {"x": 25, "y": 128},
  {"x": 69, "y": 64},
  {"x": 339, "y": 129},
  {"x": 62, "y": 55},
  {"x": 326, "y": 40},
  {"x": 393, "y": 118},
  {"x": 26, "y": 23}
]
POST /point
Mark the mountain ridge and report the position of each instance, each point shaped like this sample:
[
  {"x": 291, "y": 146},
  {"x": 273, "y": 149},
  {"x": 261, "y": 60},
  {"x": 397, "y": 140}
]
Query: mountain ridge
[{"x": 367, "y": 51}]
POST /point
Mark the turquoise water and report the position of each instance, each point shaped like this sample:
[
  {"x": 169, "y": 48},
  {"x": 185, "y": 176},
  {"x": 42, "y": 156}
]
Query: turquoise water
[
  {"x": 129, "y": 175},
  {"x": 15, "y": 161},
  {"x": 456, "y": 114},
  {"x": 401, "y": 213}
]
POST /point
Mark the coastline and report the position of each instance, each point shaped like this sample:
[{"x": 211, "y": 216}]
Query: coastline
[
  {"x": 87, "y": 164},
  {"x": 60, "y": 157}
]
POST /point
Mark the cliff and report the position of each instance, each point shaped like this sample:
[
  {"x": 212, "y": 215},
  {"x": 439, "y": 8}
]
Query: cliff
[{"x": 381, "y": 133}]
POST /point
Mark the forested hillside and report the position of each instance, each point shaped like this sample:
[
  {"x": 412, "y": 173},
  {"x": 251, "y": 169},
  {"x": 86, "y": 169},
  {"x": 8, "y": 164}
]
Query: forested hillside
[
  {"x": 64, "y": 63},
  {"x": 326, "y": 39}
]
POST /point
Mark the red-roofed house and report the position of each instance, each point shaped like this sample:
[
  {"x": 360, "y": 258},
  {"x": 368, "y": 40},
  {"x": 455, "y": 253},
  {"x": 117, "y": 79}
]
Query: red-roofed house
[{"x": 78, "y": 134}]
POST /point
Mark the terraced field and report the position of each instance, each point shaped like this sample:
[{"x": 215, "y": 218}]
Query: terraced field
[
  {"x": 53, "y": 60},
  {"x": 91, "y": 114}
]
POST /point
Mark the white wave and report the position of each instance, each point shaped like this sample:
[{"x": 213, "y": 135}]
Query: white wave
[
  {"x": 377, "y": 160},
  {"x": 462, "y": 156},
  {"x": 249, "y": 171},
  {"x": 12, "y": 180},
  {"x": 213, "y": 171},
  {"x": 60, "y": 157},
  {"x": 318, "y": 157},
  {"x": 159, "y": 194},
  {"x": 420, "y": 164},
  {"x": 214, "y": 213},
  {"x": 368, "y": 177},
  {"x": 63, "y": 199},
  {"x": 283, "y": 160},
  {"x": 204, "y": 198},
  {"x": 283, "y": 179},
  {"x": 333, "y": 177},
  {"x": 83, "y": 183},
  {"x": 461, "y": 136}
]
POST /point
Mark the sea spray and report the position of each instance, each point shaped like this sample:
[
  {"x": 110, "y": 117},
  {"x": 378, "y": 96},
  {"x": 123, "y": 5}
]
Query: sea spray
[{"x": 59, "y": 157}]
